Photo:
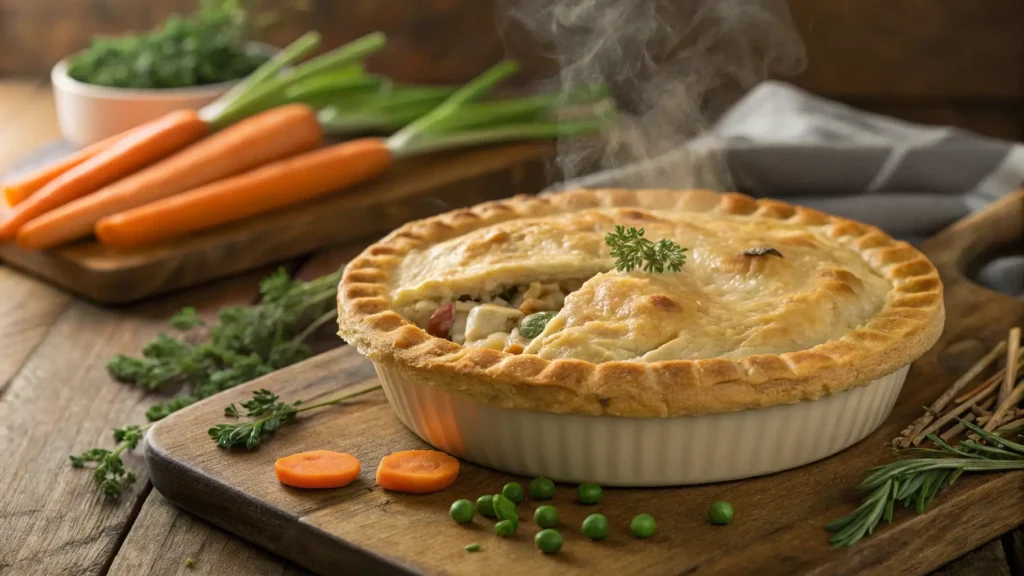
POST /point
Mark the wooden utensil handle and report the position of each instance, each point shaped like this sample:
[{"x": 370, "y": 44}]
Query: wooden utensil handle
[{"x": 958, "y": 247}]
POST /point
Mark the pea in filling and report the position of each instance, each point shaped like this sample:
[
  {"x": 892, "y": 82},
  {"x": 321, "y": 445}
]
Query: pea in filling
[{"x": 507, "y": 319}]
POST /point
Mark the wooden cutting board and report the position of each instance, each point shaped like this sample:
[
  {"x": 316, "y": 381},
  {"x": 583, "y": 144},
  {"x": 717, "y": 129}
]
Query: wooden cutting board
[
  {"x": 412, "y": 189},
  {"x": 780, "y": 519}
]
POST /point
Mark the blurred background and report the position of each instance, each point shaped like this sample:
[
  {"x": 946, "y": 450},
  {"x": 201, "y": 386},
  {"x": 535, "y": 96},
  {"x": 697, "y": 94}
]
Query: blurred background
[{"x": 958, "y": 63}]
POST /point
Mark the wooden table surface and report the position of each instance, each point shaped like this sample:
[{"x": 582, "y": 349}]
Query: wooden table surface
[{"x": 56, "y": 399}]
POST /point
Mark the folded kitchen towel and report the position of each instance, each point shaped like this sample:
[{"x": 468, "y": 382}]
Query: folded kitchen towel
[{"x": 908, "y": 179}]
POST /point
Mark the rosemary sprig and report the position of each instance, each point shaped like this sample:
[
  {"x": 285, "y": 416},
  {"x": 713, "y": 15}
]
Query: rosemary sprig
[
  {"x": 917, "y": 480},
  {"x": 268, "y": 415},
  {"x": 245, "y": 343},
  {"x": 632, "y": 250}
]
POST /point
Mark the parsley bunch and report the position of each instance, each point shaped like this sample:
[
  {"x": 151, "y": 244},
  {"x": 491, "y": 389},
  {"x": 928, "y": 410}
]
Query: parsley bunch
[
  {"x": 632, "y": 251},
  {"x": 245, "y": 343},
  {"x": 206, "y": 47}
]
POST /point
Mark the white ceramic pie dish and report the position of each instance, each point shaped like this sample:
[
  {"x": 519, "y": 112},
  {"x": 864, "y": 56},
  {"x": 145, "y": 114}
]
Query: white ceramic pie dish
[{"x": 616, "y": 451}]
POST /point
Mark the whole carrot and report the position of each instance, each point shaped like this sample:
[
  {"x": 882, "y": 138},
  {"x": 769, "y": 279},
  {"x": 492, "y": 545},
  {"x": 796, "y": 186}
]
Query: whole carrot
[
  {"x": 267, "y": 137},
  {"x": 15, "y": 192},
  {"x": 139, "y": 148},
  {"x": 259, "y": 91},
  {"x": 273, "y": 186}
]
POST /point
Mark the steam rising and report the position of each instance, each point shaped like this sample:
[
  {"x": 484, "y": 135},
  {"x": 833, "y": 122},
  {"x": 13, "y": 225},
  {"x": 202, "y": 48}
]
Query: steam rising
[{"x": 667, "y": 63}]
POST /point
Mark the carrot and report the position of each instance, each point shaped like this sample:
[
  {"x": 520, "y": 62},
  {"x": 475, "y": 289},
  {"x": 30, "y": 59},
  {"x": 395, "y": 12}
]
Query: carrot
[
  {"x": 417, "y": 471},
  {"x": 139, "y": 148},
  {"x": 317, "y": 469},
  {"x": 16, "y": 192},
  {"x": 275, "y": 185},
  {"x": 269, "y": 136}
]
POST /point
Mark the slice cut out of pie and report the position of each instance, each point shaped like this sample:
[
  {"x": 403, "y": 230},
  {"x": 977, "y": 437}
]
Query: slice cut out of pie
[{"x": 519, "y": 304}]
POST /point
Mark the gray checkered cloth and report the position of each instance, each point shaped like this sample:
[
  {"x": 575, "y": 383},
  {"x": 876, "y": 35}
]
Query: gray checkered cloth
[{"x": 908, "y": 179}]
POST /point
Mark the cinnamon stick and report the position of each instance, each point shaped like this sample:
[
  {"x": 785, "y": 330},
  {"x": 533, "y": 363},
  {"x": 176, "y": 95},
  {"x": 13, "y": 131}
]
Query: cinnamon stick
[
  {"x": 955, "y": 431},
  {"x": 949, "y": 416},
  {"x": 958, "y": 429},
  {"x": 913, "y": 431},
  {"x": 1011, "y": 401},
  {"x": 997, "y": 376},
  {"x": 1013, "y": 341}
]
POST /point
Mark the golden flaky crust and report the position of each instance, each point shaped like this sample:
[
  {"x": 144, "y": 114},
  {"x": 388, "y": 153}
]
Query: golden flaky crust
[{"x": 908, "y": 323}]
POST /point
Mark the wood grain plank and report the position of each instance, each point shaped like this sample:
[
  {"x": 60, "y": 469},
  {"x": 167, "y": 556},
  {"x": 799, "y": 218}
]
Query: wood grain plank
[
  {"x": 163, "y": 537},
  {"x": 34, "y": 124},
  {"x": 28, "y": 307},
  {"x": 989, "y": 560},
  {"x": 61, "y": 402},
  {"x": 1013, "y": 546},
  {"x": 182, "y": 535},
  {"x": 14, "y": 96}
]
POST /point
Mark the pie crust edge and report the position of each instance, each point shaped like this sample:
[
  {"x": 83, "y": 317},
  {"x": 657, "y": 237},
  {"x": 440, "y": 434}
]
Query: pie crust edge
[{"x": 909, "y": 323}]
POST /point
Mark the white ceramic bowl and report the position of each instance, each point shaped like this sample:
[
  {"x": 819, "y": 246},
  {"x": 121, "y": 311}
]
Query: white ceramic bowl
[
  {"x": 87, "y": 113},
  {"x": 616, "y": 451}
]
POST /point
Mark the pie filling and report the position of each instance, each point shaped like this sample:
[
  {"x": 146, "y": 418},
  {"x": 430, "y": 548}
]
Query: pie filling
[{"x": 548, "y": 286}]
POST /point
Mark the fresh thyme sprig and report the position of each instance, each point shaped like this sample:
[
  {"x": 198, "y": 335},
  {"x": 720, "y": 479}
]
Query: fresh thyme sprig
[
  {"x": 269, "y": 414},
  {"x": 245, "y": 343},
  {"x": 917, "y": 480},
  {"x": 632, "y": 250},
  {"x": 109, "y": 474}
]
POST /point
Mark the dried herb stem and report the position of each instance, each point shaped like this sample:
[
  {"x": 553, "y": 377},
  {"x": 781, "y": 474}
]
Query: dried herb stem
[
  {"x": 1012, "y": 350},
  {"x": 955, "y": 412},
  {"x": 914, "y": 431}
]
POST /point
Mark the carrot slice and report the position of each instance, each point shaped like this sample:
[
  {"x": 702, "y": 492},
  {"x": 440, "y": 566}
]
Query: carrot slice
[
  {"x": 417, "y": 471},
  {"x": 272, "y": 135},
  {"x": 317, "y": 469},
  {"x": 139, "y": 148},
  {"x": 276, "y": 185},
  {"x": 17, "y": 191}
]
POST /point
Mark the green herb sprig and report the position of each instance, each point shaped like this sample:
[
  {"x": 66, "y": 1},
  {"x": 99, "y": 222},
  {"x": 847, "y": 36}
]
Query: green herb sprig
[
  {"x": 205, "y": 47},
  {"x": 245, "y": 343},
  {"x": 268, "y": 414},
  {"x": 632, "y": 251},
  {"x": 917, "y": 480},
  {"x": 109, "y": 474}
]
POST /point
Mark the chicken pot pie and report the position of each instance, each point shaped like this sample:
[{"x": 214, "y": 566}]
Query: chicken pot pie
[{"x": 519, "y": 304}]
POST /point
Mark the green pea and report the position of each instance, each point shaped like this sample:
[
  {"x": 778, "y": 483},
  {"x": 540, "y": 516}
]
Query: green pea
[
  {"x": 546, "y": 516},
  {"x": 504, "y": 509},
  {"x": 548, "y": 541},
  {"x": 542, "y": 488},
  {"x": 642, "y": 526},
  {"x": 595, "y": 527},
  {"x": 514, "y": 492},
  {"x": 485, "y": 505},
  {"x": 505, "y": 528},
  {"x": 588, "y": 493},
  {"x": 474, "y": 547},
  {"x": 720, "y": 513},
  {"x": 534, "y": 324},
  {"x": 461, "y": 511}
]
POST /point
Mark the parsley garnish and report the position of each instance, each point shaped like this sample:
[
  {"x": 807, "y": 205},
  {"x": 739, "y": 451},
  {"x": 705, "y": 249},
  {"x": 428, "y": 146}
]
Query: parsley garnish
[{"x": 632, "y": 250}]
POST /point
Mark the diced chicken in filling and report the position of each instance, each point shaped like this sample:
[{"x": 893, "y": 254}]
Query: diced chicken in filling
[{"x": 494, "y": 320}]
